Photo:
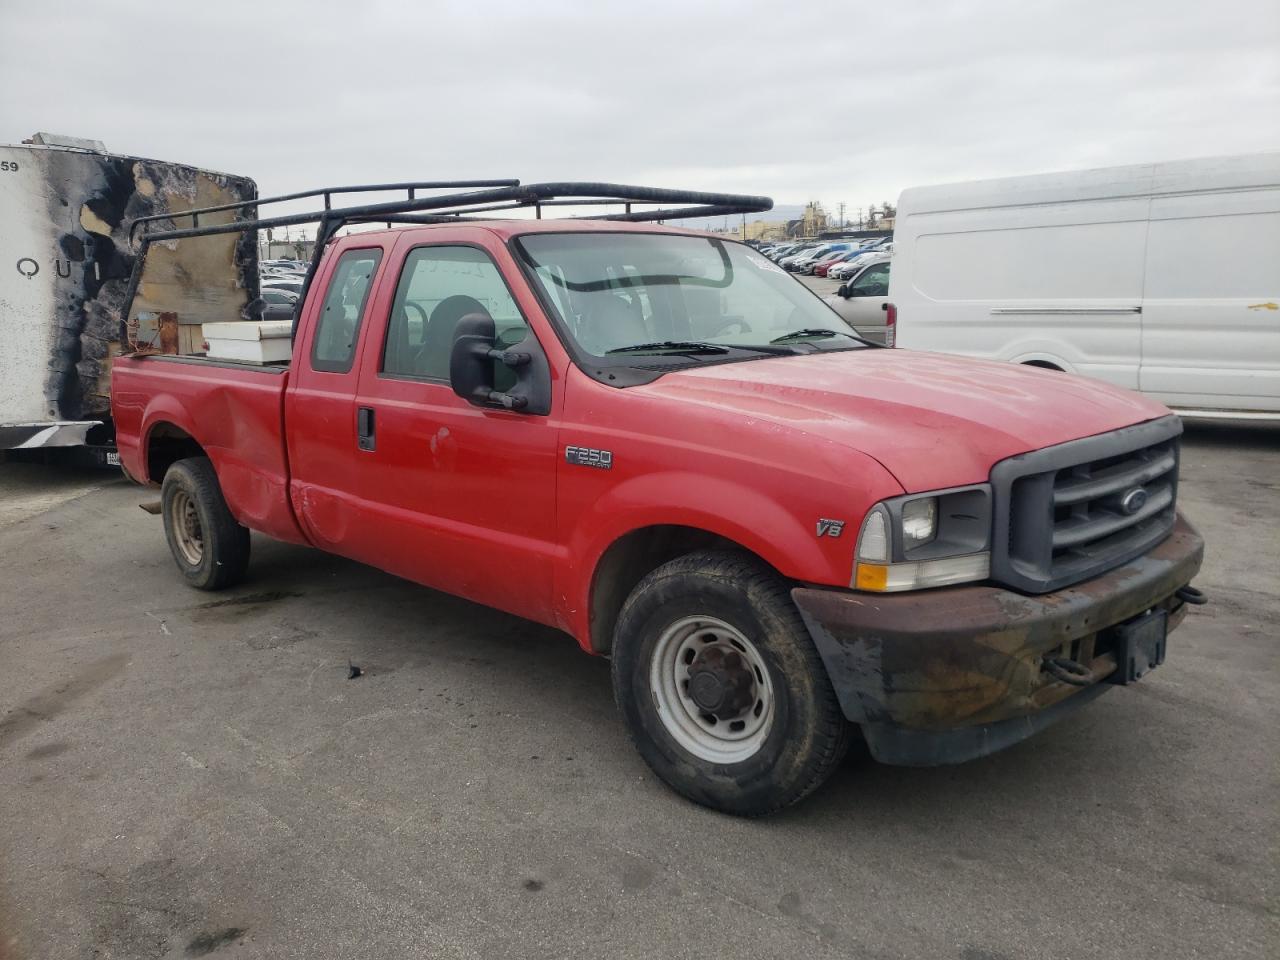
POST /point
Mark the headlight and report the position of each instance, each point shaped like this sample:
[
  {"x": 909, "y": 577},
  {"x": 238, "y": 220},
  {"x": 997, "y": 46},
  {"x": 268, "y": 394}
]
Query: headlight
[
  {"x": 919, "y": 521},
  {"x": 929, "y": 540}
]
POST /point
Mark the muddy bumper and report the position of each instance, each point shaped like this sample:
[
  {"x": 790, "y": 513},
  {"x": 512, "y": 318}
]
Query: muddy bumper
[{"x": 942, "y": 676}]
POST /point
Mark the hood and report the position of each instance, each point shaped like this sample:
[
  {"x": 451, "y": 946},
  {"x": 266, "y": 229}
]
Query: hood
[{"x": 932, "y": 420}]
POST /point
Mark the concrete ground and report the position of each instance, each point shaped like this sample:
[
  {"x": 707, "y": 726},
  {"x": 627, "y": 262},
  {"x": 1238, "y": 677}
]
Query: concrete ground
[{"x": 185, "y": 774}]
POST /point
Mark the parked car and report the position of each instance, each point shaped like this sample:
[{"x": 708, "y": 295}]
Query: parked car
[
  {"x": 702, "y": 473},
  {"x": 822, "y": 267},
  {"x": 1162, "y": 277},
  {"x": 279, "y": 304},
  {"x": 805, "y": 265},
  {"x": 861, "y": 300},
  {"x": 799, "y": 253},
  {"x": 289, "y": 282},
  {"x": 793, "y": 261},
  {"x": 855, "y": 263}
]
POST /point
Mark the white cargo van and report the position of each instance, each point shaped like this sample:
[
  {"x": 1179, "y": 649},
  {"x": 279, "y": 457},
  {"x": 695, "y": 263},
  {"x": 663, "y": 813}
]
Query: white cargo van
[{"x": 1164, "y": 277}]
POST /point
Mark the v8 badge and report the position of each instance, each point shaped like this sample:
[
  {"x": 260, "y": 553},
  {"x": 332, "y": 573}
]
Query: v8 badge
[{"x": 830, "y": 528}]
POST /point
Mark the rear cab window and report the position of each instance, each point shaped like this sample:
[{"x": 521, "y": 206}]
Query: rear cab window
[{"x": 338, "y": 328}]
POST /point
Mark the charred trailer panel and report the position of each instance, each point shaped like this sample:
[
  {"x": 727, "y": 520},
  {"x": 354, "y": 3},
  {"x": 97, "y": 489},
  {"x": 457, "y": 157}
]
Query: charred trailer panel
[{"x": 65, "y": 263}]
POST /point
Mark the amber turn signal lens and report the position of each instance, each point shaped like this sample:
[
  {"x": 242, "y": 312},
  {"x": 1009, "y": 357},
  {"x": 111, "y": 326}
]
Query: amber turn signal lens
[{"x": 872, "y": 576}]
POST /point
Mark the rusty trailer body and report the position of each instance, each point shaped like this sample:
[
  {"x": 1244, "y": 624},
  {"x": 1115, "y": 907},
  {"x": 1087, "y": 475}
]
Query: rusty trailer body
[{"x": 65, "y": 263}]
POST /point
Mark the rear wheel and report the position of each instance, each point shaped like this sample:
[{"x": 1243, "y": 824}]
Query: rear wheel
[
  {"x": 721, "y": 688},
  {"x": 210, "y": 548}
]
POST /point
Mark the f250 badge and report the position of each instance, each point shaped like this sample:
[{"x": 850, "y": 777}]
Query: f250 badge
[
  {"x": 587, "y": 457},
  {"x": 830, "y": 528}
]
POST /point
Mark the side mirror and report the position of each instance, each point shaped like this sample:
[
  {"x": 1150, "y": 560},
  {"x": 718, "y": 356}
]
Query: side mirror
[
  {"x": 843, "y": 291},
  {"x": 470, "y": 367},
  {"x": 472, "y": 361}
]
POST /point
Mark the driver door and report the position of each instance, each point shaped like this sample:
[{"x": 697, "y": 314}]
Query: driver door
[{"x": 457, "y": 497}]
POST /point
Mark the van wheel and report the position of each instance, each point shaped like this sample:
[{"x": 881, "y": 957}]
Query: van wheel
[
  {"x": 721, "y": 688},
  {"x": 209, "y": 546}
]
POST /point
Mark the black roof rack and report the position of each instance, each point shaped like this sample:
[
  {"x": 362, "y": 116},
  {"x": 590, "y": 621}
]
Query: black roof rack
[
  {"x": 481, "y": 197},
  {"x": 491, "y": 196}
]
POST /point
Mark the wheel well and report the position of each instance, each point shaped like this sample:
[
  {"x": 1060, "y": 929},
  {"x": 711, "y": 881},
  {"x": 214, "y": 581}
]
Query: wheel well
[
  {"x": 1042, "y": 364},
  {"x": 166, "y": 445},
  {"x": 628, "y": 560}
]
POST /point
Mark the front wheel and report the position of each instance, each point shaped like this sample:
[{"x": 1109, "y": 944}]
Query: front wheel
[
  {"x": 210, "y": 548},
  {"x": 721, "y": 688}
]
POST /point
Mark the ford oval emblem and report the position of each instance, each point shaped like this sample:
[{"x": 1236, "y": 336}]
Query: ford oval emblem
[{"x": 1133, "y": 501}]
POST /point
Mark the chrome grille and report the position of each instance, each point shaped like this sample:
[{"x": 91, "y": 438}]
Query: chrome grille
[{"x": 1072, "y": 511}]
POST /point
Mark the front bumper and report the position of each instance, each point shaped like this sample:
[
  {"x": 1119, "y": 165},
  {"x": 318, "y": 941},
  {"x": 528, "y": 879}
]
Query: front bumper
[{"x": 946, "y": 675}]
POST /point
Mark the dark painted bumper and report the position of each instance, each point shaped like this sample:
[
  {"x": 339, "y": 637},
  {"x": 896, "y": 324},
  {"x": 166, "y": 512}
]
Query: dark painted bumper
[{"x": 943, "y": 676}]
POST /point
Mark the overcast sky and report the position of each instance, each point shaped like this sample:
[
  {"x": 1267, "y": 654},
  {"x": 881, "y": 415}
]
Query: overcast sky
[{"x": 834, "y": 101}]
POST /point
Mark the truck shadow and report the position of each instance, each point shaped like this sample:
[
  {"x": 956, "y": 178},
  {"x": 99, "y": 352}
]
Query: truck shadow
[{"x": 490, "y": 657}]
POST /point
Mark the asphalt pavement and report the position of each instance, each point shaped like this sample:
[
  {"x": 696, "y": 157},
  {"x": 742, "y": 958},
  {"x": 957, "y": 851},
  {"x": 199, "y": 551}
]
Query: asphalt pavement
[{"x": 185, "y": 774}]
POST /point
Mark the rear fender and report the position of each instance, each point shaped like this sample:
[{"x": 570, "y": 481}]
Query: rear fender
[{"x": 247, "y": 452}]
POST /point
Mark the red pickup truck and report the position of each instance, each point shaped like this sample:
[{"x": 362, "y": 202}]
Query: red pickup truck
[{"x": 659, "y": 442}]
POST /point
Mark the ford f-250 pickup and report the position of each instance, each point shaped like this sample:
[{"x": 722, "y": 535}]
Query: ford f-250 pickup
[{"x": 654, "y": 439}]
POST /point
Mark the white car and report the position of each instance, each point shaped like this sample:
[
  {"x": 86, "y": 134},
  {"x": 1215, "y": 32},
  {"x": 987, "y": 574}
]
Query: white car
[
  {"x": 861, "y": 300},
  {"x": 851, "y": 266},
  {"x": 801, "y": 253}
]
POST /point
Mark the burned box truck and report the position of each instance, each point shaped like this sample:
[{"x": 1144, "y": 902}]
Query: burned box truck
[{"x": 65, "y": 265}]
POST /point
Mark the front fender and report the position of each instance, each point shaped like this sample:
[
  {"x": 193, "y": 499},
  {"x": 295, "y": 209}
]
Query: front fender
[{"x": 783, "y": 533}]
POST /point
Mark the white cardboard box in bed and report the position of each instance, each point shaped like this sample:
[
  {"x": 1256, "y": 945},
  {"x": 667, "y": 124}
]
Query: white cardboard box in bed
[{"x": 268, "y": 341}]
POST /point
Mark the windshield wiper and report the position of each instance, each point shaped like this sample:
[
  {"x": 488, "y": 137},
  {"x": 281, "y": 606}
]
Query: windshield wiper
[
  {"x": 671, "y": 346},
  {"x": 813, "y": 332}
]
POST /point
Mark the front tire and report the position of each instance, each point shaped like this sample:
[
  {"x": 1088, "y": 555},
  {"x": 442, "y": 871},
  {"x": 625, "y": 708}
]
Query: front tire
[
  {"x": 210, "y": 548},
  {"x": 721, "y": 688}
]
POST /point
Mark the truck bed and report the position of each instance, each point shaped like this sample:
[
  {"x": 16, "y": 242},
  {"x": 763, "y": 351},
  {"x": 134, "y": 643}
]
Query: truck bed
[{"x": 236, "y": 409}]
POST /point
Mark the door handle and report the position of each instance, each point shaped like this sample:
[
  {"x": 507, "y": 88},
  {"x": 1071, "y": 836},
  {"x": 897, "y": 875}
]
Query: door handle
[{"x": 365, "y": 436}]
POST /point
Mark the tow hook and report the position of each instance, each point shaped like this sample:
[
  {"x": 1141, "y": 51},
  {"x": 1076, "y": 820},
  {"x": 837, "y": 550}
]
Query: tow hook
[
  {"x": 1191, "y": 595},
  {"x": 1067, "y": 670}
]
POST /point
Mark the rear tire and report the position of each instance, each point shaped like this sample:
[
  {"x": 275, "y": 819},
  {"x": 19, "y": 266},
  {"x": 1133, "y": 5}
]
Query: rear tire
[
  {"x": 210, "y": 548},
  {"x": 721, "y": 688}
]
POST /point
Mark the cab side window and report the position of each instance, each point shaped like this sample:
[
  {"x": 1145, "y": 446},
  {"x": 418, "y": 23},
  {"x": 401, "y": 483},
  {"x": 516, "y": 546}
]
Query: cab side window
[
  {"x": 338, "y": 329},
  {"x": 438, "y": 287},
  {"x": 874, "y": 281}
]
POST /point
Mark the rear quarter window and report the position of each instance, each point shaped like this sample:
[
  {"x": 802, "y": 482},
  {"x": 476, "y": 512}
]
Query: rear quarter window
[{"x": 338, "y": 329}]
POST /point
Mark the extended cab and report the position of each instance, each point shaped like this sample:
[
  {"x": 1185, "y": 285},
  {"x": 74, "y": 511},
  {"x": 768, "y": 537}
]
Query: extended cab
[{"x": 660, "y": 443}]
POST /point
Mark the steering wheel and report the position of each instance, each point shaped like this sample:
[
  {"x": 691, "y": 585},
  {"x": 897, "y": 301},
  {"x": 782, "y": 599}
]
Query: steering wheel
[
  {"x": 422, "y": 313},
  {"x": 742, "y": 325}
]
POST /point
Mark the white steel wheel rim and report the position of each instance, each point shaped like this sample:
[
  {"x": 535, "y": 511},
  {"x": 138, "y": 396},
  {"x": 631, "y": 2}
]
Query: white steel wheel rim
[
  {"x": 187, "y": 532},
  {"x": 715, "y": 739}
]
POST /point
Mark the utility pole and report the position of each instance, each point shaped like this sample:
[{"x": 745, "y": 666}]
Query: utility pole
[{"x": 843, "y": 224}]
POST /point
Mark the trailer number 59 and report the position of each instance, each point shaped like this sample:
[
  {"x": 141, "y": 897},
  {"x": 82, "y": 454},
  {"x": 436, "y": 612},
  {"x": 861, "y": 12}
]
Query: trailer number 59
[{"x": 9, "y": 166}]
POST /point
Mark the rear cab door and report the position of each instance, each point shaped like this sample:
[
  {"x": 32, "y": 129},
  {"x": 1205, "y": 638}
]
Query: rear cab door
[{"x": 320, "y": 417}]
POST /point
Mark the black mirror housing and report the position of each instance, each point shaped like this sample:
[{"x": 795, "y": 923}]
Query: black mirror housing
[
  {"x": 471, "y": 368},
  {"x": 843, "y": 291}
]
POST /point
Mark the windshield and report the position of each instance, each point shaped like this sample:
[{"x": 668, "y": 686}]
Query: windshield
[{"x": 612, "y": 291}]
